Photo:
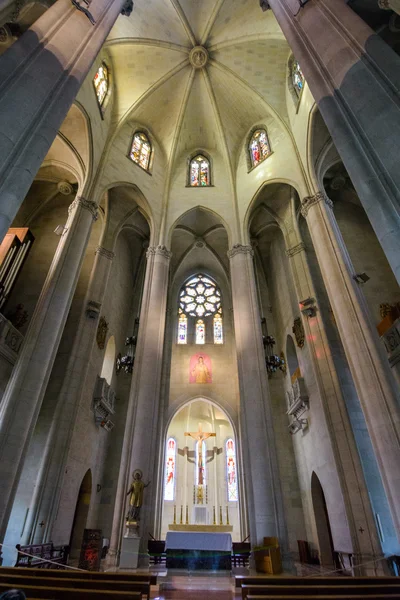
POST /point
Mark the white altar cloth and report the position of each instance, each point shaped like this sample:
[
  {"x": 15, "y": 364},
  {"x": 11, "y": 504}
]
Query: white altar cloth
[{"x": 191, "y": 540}]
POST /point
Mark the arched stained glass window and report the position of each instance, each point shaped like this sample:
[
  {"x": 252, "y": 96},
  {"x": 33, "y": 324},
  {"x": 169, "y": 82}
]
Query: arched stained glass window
[
  {"x": 141, "y": 150},
  {"x": 199, "y": 171},
  {"x": 182, "y": 328},
  {"x": 200, "y": 332},
  {"x": 297, "y": 78},
  {"x": 170, "y": 468},
  {"x": 259, "y": 147},
  {"x": 200, "y": 297},
  {"x": 218, "y": 328},
  {"x": 101, "y": 83},
  {"x": 201, "y": 458},
  {"x": 231, "y": 471}
]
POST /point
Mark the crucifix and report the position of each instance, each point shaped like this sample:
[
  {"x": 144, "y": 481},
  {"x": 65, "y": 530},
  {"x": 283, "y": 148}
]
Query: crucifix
[{"x": 200, "y": 436}]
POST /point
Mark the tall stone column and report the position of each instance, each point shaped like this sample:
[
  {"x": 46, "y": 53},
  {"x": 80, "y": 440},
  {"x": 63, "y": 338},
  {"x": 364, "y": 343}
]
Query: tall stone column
[
  {"x": 141, "y": 438},
  {"x": 354, "y": 77},
  {"x": 261, "y": 475},
  {"x": 45, "y": 499},
  {"x": 23, "y": 396},
  {"x": 365, "y": 355},
  {"x": 40, "y": 75},
  {"x": 361, "y": 522}
]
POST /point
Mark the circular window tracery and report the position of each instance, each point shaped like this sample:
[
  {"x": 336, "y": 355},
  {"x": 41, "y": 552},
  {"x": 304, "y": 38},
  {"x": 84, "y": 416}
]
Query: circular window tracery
[{"x": 200, "y": 297}]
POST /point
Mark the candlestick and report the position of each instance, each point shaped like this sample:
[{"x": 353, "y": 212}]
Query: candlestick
[
  {"x": 214, "y": 520},
  {"x": 220, "y": 515},
  {"x": 174, "y": 514},
  {"x": 227, "y": 516},
  {"x": 181, "y": 520},
  {"x": 187, "y": 515}
]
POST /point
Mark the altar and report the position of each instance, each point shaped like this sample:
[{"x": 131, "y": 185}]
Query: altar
[{"x": 194, "y": 550}]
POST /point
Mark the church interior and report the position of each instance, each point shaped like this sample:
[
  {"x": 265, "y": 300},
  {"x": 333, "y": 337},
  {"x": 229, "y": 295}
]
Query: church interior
[{"x": 199, "y": 292}]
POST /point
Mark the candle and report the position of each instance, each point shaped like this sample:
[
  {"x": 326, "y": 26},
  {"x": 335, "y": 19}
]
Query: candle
[
  {"x": 187, "y": 515},
  {"x": 227, "y": 516},
  {"x": 174, "y": 514},
  {"x": 220, "y": 515},
  {"x": 214, "y": 521},
  {"x": 181, "y": 521}
]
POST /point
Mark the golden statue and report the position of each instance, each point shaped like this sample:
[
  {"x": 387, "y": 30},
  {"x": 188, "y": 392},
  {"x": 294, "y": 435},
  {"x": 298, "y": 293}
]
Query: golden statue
[
  {"x": 136, "y": 496},
  {"x": 200, "y": 371}
]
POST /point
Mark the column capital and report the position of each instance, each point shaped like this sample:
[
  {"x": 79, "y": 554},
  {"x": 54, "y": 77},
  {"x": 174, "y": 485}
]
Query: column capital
[
  {"x": 240, "y": 249},
  {"x": 104, "y": 252},
  {"x": 309, "y": 201},
  {"x": 158, "y": 250},
  {"x": 86, "y": 204},
  {"x": 295, "y": 249}
]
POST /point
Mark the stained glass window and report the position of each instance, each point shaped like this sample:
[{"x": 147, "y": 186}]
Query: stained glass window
[
  {"x": 101, "y": 83},
  {"x": 231, "y": 471},
  {"x": 199, "y": 171},
  {"x": 259, "y": 147},
  {"x": 182, "y": 328},
  {"x": 200, "y": 332},
  {"x": 200, "y": 297},
  {"x": 297, "y": 78},
  {"x": 169, "y": 488},
  {"x": 141, "y": 150},
  {"x": 201, "y": 458},
  {"x": 218, "y": 329}
]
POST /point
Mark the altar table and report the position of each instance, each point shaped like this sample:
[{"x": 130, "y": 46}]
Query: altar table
[{"x": 194, "y": 550}]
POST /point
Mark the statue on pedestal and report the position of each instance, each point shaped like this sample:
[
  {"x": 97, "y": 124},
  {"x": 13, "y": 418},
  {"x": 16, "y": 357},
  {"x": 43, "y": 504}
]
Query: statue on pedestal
[{"x": 136, "y": 497}]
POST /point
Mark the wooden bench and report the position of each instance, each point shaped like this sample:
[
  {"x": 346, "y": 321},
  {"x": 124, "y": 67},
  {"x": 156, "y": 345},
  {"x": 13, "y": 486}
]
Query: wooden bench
[
  {"x": 16, "y": 581},
  {"x": 244, "y": 579},
  {"x": 77, "y": 574},
  {"x": 41, "y": 555},
  {"x": 59, "y": 593},
  {"x": 337, "y": 591}
]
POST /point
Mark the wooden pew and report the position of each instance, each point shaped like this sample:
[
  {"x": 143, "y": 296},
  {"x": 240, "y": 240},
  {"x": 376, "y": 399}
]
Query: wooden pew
[
  {"x": 16, "y": 581},
  {"x": 54, "y": 593},
  {"x": 337, "y": 591},
  {"x": 271, "y": 580},
  {"x": 75, "y": 573}
]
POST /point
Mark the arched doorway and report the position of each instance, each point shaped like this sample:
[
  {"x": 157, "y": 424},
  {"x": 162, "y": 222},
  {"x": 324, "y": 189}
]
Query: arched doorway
[
  {"x": 324, "y": 533},
  {"x": 201, "y": 478},
  {"x": 107, "y": 369},
  {"x": 81, "y": 513}
]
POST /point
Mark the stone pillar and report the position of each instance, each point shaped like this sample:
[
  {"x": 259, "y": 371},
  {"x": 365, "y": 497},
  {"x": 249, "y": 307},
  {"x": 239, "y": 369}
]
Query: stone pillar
[
  {"x": 40, "y": 75},
  {"x": 261, "y": 475},
  {"x": 361, "y": 522},
  {"x": 142, "y": 433},
  {"x": 365, "y": 355},
  {"x": 23, "y": 396},
  {"x": 354, "y": 77},
  {"x": 45, "y": 499}
]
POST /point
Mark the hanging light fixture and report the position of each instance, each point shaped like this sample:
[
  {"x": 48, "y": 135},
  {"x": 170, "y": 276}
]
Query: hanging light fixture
[{"x": 126, "y": 362}]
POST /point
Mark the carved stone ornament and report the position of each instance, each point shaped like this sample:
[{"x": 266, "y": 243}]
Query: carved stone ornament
[
  {"x": 102, "y": 333},
  {"x": 296, "y": 249},
  {"x": 93, "y": 309},
  {"x": 298, "y": 331},
  {"x": 127, "y": 8},
  {"x": 104, "y": 252},
  {"x": 160, "y": 250},
  {"x": 198, "y": 57},
  {"x": 309, "y": 201},
  {"x": 65, "y": 188},
  {"x": 240, "y": 249},
  {"x": 86, "y": 204}
]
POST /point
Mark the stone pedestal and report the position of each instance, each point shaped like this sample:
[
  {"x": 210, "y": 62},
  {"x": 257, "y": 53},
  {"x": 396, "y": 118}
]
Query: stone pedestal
[{"x": 129, "y": 553}]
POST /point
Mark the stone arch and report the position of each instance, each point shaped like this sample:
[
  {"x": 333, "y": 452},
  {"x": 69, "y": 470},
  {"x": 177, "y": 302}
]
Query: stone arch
[
  {"x": 291, "y": 356},
  {"x": 322, "y": 523},
  {"x": 107, "y": 368},
  {"x": 81, "y": 514}
]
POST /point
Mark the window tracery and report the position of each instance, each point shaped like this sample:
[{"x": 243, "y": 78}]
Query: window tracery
[
  {"x": 218, "y": 328},
  {"x": 200, "y": 297},
  {"x": 141, "y": 150},
  {"x": 297, "y": 78},
  {"x": 259, "y": 147},
  {"x": 182, "y": 328},
  {"x": 200, "y": 332},
  {"x": 199, "y": 172},
  {"x": 101, "y": 83}
]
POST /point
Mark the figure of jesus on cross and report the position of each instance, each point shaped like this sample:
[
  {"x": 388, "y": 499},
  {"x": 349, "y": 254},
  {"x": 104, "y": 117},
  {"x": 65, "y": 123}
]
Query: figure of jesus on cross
[{"x": 200, "y": 436}]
